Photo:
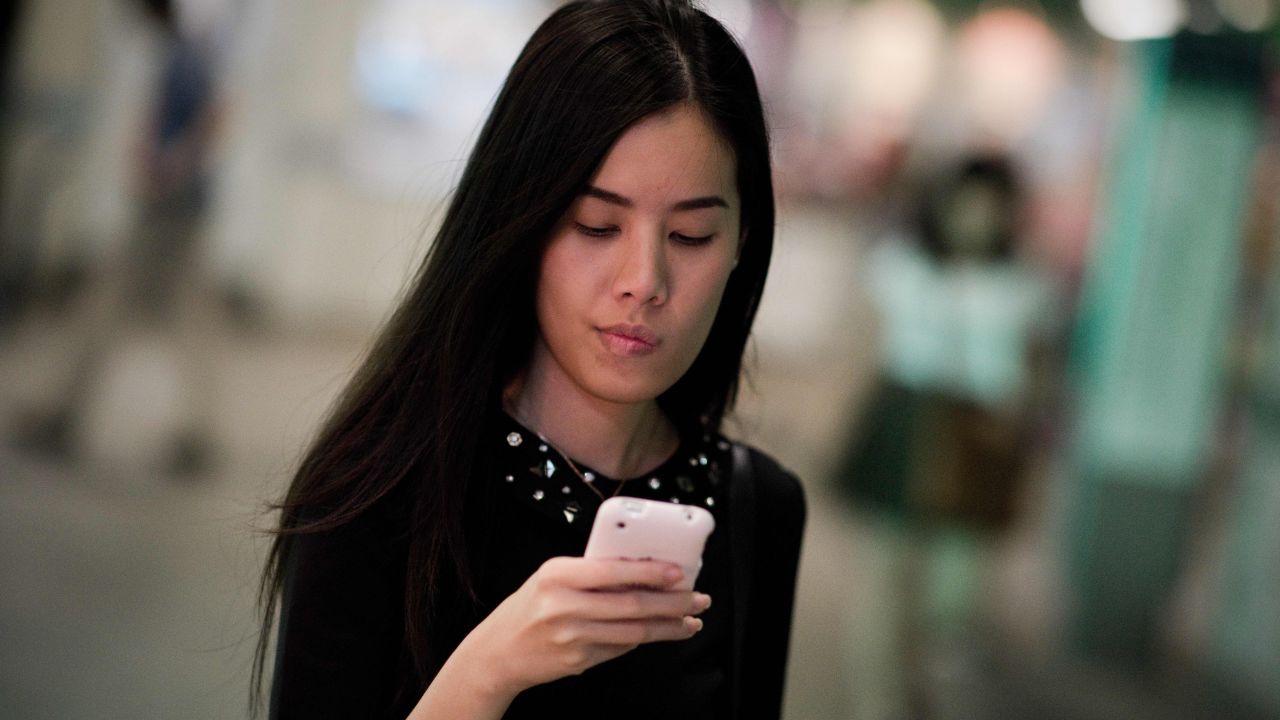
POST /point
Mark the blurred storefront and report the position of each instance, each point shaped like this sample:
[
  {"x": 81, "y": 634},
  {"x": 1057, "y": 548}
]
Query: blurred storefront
[{"x": 1053, "y": 391}]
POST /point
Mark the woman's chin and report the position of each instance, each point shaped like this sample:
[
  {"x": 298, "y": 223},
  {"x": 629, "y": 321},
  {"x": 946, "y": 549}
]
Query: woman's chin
[{"x": 627, "y": 390}]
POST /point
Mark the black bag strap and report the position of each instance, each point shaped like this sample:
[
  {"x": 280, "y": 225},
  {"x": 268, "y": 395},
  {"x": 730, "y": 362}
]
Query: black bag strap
[{"x": 742, "y": 532}]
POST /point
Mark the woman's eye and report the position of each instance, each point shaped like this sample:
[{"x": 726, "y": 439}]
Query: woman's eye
[
  {"x": 595, "y": 231},
  {"x": 691, "y": 239}
]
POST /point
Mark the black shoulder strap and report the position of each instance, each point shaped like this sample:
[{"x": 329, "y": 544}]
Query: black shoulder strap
[{"x": 742, "y": 531}]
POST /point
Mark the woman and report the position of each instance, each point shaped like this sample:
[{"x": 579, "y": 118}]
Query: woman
[{"x": 575, "y": 332}]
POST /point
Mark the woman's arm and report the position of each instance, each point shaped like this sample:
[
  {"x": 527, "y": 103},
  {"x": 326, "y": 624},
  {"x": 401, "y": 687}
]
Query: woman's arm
[
  {"x": 341, "y": 629},
  {"x": 778, "y": 530},
  {"x": 570, "y": 615},
  {"x": 341, "y": 625}
]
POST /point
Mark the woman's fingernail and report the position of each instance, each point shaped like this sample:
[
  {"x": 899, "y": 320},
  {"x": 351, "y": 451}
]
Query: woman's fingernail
[
  {"x": 693, "y": 624},
  {"x": 701, "y": 601},
  {"x": 672, "y": 574}
]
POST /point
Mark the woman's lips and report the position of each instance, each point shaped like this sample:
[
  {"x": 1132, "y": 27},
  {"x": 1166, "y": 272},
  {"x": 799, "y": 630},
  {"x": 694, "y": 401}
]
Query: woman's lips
[{"x": 628, "y": 340}]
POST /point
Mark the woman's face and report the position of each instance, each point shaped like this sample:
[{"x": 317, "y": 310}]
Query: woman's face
[{"x": 632, "y": 275}]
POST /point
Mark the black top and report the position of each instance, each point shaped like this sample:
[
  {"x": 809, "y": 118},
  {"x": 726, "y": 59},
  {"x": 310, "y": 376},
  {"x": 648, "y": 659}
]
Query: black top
[{"x": 341, "y": 653}]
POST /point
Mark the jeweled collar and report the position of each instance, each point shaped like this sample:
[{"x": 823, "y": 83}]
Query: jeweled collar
[{"x": 532, "y": 469}]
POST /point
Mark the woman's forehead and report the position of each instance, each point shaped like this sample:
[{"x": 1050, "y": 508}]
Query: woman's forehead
[{"x": 672, "y": 158}]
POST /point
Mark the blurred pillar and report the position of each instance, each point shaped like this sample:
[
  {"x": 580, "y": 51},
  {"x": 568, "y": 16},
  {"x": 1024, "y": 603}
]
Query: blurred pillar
[
  {"x": 1155, "y": 319},
  {"x": 1246, "y": 641}
]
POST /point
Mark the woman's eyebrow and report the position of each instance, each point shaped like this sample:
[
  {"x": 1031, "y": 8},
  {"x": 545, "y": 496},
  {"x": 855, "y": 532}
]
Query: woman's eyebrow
[{"x": 613, "y": 198}]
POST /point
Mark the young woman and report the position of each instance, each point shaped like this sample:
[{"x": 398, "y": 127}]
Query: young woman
[{"x": 576, "y": 332}]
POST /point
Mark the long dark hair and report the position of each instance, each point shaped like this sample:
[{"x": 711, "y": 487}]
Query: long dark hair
[{"x": 412, "y": 413}]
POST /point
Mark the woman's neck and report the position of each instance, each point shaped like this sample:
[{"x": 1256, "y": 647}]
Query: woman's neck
[{"x": 621, "y": 440}]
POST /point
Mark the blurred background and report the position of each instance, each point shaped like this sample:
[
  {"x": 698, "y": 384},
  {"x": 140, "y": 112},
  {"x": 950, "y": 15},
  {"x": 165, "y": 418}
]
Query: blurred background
[{"x": 1021, "y": 338}]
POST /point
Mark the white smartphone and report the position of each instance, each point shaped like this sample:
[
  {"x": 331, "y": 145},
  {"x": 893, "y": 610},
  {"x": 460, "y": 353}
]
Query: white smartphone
[{"x": 638, "y": 529}]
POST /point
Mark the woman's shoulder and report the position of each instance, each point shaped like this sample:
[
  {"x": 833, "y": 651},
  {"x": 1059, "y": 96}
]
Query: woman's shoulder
[{"x": 778, "y": 491}]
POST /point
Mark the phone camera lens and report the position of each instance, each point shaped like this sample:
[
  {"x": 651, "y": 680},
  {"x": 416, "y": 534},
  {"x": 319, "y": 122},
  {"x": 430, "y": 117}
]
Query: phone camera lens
[{"x": 621, "y": 524}]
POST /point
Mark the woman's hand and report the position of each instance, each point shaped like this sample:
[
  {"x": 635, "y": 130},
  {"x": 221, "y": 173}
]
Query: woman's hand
[
  {"x": 574, "y": 613},
  {"x": 570, "y": 615}
]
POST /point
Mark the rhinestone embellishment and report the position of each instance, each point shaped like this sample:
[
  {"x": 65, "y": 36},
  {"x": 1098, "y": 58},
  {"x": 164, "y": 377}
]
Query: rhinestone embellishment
[{"x": 692, "y": 484}]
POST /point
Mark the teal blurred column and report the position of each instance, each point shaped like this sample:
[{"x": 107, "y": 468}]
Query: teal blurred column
[
  {"x": 1156, "y": 314},
  {"x": 1246, "y": 641}
]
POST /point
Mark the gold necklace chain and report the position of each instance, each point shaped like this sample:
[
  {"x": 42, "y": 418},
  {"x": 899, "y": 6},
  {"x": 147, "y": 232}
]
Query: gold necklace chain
[
  {"x": 509, "y": 407},
  {"x": 581, "y": 476}
]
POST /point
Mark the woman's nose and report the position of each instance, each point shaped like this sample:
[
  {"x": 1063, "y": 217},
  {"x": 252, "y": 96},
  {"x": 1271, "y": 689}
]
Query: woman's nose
[{"x": 642, "y": 272}]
